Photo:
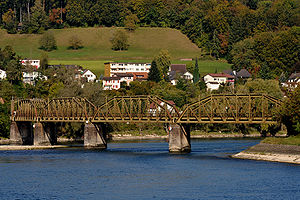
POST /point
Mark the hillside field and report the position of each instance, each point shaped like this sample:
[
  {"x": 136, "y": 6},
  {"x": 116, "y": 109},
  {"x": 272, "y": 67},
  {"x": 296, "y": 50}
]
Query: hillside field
[{"x": 145, "y": 43}]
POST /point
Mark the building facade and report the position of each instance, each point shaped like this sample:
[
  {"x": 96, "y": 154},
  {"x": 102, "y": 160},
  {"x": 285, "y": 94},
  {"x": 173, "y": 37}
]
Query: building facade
[
  {"x": 213, "y": 81},
  {"x": 138, "y": 70},
  {"x": 34, "y": 63},
  {"x": 2, "y": 74}
]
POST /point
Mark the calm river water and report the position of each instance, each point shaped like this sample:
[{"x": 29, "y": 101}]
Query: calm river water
[{"x": 145, "y": 170}]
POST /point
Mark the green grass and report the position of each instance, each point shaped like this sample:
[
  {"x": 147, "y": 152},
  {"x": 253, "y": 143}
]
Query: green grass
[
  {"x": 292, "y": 140},
  {"x": 145, "y": 43}
]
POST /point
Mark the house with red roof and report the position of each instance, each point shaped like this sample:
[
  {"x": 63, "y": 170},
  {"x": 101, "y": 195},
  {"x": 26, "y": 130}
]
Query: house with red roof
[
  {"x": 213, "y": 81},
  {"x": 155, "y": 108}
]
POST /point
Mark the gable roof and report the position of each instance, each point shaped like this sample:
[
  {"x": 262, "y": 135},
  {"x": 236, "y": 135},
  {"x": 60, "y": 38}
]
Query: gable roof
[
  {"x": 294, "y": 76},
  {"x": 110, "y": 78},
  {"x": 178, "y": 68},
  {"x": 228, "y": 71},
  {"x": 243, "y": 73},
  {"x": 221, "y": 75},
  {"x": 124, "y": 75},
  {"x": 154, "y": 105}
]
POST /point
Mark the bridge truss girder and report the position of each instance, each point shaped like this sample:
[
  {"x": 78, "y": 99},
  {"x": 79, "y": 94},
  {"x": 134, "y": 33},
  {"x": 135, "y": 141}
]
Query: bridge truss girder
[{"x": 254, "y": 108}]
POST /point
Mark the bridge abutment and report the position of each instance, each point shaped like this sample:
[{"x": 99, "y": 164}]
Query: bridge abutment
[
  {"x": 21, "y": 133},
  {"x": 44, "y": 134},
  {"x": 179, "y": 138},
  {"x": 94, "y": 136}
]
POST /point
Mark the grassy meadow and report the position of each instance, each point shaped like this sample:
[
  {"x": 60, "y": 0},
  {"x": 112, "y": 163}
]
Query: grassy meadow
[{"x": 145, "y": 43}]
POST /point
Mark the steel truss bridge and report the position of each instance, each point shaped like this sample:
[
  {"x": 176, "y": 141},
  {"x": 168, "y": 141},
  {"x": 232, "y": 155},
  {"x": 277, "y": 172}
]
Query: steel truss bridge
[{"x": 236, "y": 109}]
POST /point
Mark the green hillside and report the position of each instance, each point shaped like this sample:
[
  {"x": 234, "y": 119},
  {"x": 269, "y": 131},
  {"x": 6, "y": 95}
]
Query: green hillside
[{"x": 145, "y": 43}]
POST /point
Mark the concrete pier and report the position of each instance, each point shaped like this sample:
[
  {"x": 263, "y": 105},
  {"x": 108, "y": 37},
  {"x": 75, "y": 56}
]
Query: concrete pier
[
  {"x": 179, "y": 138},
  {"x": 21, "y": 133},
  {"x": 94, "y": 136},
  {"x": 44, "y": 134}
]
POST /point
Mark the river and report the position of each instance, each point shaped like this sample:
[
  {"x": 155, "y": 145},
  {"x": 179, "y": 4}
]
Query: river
[{"x": 145, "y": 170}]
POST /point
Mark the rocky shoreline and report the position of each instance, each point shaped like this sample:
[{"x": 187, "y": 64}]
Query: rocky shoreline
[{"x": 271, "y": 152}]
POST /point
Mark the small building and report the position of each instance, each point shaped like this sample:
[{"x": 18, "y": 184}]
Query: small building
[
  {"x": 34, "y": 63},
  {"x": 156, "y": 108},
  {"x": 293, "y": 81},
  {"x": 31, "y": 77},
  {"x": 88, "y": 75},
  {"x": 179, "y": 70},
  {"x": 2, "y": 74},
  {"x": 213, "y": 81},
  {"x": 114, "y": 82},
  {"x": 243, "y": 74},
  {"x": 111, "y": 83},
  {"x": 126, "y": 77}
]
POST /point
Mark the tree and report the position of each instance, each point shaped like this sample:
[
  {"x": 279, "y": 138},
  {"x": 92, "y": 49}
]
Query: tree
[
  {"x": 196, "y": 75},
  {"x": 289, "y": 112},
  {"x": 44, "y": 61},
  {"x": 154, "y": 73},
  {"x": 38, "y": 20},
  {"x": 9, "y": 21},
  {"x": 48, "y": 42},
  {"x": 14, "y": 72},
  {"x": 75, "y": 42},
  {"x": 120, "y": 41},
  {"x": 131, "y": 22},
  {"x": 163, "y": 61}
]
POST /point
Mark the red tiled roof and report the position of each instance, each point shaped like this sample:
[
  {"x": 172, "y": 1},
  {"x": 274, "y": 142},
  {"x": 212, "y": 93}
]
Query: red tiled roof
[
  {"x": 154, "y": 105},
  {"x": 111, "y": 78},
  {"x": 221, "y": 75},
  {"x": 178, "y": 68}
]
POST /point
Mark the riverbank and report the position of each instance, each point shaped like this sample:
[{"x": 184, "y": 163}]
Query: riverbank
[{"x": 272, "y": 152}]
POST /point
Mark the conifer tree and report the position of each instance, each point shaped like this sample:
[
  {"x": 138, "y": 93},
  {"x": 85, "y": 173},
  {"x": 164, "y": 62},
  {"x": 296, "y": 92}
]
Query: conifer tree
[
  {"x": 196, "y": 75},
  {"x": 154, "y": 73},
  {"x": 39, "y": 20}
]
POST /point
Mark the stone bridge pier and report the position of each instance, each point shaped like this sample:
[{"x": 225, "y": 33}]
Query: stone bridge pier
[
  {"x": 179, "y": 138},
  {"x": 28, "y": 133},
  {"x": 95, "y": 136}
]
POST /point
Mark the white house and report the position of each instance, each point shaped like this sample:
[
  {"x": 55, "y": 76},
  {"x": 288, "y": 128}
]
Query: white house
[
  {"x": 30, "y": 77},
  {"x": 179, "y": 70},
  {"x": 34, "y": 63},
  {"x": 126, "y": 77},
  {"x": 2, "y": 74},
  {"x": 293, "y": 81},
  {"x": 154, "y": 109},
  {"x": 213, "y": 81},
  {"x": 114, "y": 82},
  {"x": 111, "y": 83},
  {"x": 90, "y": 76}
]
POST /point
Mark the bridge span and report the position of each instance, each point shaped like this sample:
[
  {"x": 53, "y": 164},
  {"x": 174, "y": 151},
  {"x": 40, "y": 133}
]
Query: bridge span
[{"x": 234, "y": 109}]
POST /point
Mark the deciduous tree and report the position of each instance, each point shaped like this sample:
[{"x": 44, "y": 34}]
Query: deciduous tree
[
  {"x": 48, "y": 42},
  {"x": 163, "y": 61},
  {"x": 120, "y": 41}
]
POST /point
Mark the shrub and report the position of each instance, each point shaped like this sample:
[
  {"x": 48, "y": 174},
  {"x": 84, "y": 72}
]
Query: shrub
[
  {"x": 48, "y": 42},
  {"x": 120, "y": 41},
  {"x": 75, "y": 43}
]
